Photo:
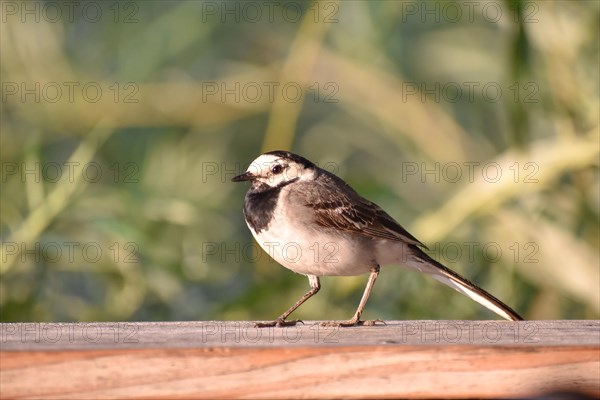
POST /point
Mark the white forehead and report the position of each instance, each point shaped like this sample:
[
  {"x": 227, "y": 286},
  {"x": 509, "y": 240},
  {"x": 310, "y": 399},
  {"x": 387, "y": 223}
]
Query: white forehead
[
  {"x": 266, "y": 160},
  {"x": 263, "y": 162},
  {"x": 262, "y": 165}
]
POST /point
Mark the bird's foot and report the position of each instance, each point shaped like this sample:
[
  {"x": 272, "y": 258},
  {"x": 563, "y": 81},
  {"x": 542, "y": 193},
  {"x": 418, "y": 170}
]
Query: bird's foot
[
  {"x": 372, "y": 322},
  {"x": 352, "y": 322},
  {"x": 279, "y": 322}
]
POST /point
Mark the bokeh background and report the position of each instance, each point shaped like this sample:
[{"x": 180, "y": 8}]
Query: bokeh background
[{"x": 475, "y": 125}]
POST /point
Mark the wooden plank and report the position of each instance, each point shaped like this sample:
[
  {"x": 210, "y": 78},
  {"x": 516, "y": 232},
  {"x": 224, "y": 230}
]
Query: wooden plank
[
  {"x": 223, "y": 360},
  {"x": 208, "y": 334},
  {"x": 358, "y": 372}
]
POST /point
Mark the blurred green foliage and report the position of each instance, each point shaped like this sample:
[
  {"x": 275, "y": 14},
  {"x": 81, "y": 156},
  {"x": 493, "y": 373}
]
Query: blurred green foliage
[{"x": 475, "y": 125}]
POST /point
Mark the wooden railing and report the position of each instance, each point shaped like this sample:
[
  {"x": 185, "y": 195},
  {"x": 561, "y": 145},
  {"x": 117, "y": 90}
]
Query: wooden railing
[{"x": 220, "y": 359}]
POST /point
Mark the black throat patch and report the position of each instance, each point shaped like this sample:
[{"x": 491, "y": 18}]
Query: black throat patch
[{"x": 259, "y": 205}]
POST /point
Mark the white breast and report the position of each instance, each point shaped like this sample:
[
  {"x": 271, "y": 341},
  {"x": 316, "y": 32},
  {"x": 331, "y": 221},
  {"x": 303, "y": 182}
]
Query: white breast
[{"x": 294, "y": 241}]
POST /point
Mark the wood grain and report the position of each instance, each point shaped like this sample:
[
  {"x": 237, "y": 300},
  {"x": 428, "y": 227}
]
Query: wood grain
[{"x": 231, "y": 359}]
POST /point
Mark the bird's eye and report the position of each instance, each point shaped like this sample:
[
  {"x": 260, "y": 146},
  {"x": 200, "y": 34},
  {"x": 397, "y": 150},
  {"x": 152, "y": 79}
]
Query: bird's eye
[{"x": 276, "y": 169}]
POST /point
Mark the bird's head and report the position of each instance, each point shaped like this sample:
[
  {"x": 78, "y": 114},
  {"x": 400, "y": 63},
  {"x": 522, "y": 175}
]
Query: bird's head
[{"x": 277, "y": 169}]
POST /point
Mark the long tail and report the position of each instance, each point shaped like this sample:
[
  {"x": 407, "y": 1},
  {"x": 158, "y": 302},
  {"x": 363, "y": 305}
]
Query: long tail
[{"x": 428, "y": 265}]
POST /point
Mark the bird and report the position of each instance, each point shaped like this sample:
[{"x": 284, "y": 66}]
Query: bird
[{"x": 312, "y": 222}]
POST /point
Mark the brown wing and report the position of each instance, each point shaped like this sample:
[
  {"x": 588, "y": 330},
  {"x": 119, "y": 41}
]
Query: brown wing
[{"x": 346, "y": 210}]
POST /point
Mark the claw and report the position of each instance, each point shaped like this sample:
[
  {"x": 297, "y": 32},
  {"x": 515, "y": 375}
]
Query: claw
[
  {"x": 337, "y": 324},
  {"x": 352, "y": 322},
  {"x": 371, "y": 322},
  {"x": 279, "y": 322}
]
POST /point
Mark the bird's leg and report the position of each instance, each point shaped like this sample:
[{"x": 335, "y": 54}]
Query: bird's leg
[
  {"x": 315, "y": 285},
  {"x": 355, "y": 320}
]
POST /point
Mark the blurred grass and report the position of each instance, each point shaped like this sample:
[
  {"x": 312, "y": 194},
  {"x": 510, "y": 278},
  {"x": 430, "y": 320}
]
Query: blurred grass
[
  {"x": 168, "y": 222},
  {"x": 298, "y": 66}
]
